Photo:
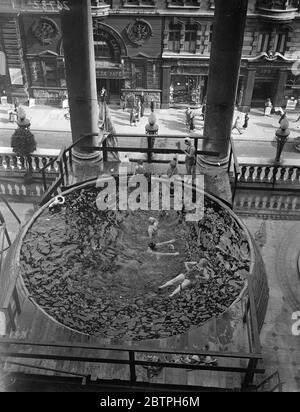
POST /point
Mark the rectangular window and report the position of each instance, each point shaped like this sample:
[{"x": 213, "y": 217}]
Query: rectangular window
[
  {"x": 47, "y": 72},
  {"x": 174, "y": 38},
  {"x": 140, "y": 77},
  {"x": 139, "y": 3},
  {"x": 280, "y": 42},
  {"x": 190, "y": 38},
  {"x": 183, "y": 3},
  {"x": 263, "y": 42},
  {"x": 99, "y": 3}
]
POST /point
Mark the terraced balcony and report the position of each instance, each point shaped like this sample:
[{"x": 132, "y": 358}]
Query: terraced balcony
[
  {"x": 278, "y": 10},
  {"x": 101, "y": 7}
]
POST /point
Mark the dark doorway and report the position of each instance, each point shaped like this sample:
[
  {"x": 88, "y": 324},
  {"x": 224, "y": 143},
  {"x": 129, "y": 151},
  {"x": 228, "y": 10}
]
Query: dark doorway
[
  {"x": 261, "y": 92},
  {"x": 113, "y": 88}
]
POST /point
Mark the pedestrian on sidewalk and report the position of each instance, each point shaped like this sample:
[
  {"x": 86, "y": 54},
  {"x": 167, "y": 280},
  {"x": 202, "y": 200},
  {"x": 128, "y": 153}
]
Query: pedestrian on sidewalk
[
  {"x": 142, "y": 100},
  {"x": 152, "y": 105},
  {"x": 3, "y": 98},
  {"x": 103, "y": 94},
  {"x": 246, "y": 121},
  {"x": 188, "y": 117},
  {"x": 282, "y": 117},
  {"x": 133, "y": 116},
  {"x": 237, "y": 125},
  {"x": 123, "y": 102},
  {"x": 192, "y": 121},
  {"x": 138, "y": 110},
  {"x": 203, "y": 108},
  {"x": 268, "y": 107}
]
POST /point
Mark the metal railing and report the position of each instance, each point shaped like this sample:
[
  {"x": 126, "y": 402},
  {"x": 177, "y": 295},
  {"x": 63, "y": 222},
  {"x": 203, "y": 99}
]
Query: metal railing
[{"x": 65, "y": 159}]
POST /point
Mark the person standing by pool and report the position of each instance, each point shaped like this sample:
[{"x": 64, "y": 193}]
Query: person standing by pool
[{"x": 190, "y": 156}]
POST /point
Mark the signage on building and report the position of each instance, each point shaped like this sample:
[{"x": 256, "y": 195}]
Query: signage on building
[
  {"x": 109, "y": 73},
  {"x": 16, "y": 76},
  {"x": 41, "y": 5},
  {"x": 291, "y": 104}
]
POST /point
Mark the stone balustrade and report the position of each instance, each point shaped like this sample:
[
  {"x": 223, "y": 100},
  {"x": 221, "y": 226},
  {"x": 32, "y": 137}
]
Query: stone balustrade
[
  {"x": 14, "y": 188},
  {"x": 269, "y": 174},
  {"x": 247, "y": 202},
  {"x": 12, "y": 164}
]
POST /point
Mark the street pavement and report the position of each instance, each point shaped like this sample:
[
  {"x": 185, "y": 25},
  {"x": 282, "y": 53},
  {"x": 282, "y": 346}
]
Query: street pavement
[{"x": 52, "y": 129}]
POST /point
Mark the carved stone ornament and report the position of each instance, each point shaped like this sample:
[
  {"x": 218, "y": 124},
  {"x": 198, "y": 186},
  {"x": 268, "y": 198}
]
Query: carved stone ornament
[
  {"x": 138, "y": 32},
  {"x": 45, "y": 30}
]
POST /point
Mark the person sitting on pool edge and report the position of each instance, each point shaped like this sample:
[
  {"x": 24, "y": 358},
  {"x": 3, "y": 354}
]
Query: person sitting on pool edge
[{"x": 189, "y": 277}]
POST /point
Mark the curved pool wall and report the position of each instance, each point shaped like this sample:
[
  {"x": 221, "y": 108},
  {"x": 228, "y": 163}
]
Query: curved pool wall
[{"x": 200, "y": 333}]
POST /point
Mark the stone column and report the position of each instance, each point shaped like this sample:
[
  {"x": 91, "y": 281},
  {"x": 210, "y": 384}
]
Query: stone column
[
  {"x": 248, "y": 90},
  {"x": 279, "y": 100},
  {"x": 78, "y": 43},
  {"x": 166, "y": 82},
  {"x": 225, "y": 57}
]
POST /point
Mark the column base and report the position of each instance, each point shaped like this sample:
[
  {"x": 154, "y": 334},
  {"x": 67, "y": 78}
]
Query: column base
[
  {"x": 216, "y": 177},
  {"x": 86, "y": 166},
  {"x": 85, "y": 156},
  {"x": 244, "y": 109}
]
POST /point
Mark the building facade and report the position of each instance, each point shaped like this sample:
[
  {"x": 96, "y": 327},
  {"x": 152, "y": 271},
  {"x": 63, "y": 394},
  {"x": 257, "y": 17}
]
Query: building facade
[{"x": 160, "y": 47}]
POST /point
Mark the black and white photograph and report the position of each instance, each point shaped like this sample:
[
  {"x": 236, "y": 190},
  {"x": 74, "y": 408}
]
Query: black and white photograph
[{"x": 149, "y": 199}]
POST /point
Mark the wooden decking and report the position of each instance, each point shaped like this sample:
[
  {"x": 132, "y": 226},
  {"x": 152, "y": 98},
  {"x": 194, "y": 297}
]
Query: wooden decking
[{"x": 226, "y": 333}]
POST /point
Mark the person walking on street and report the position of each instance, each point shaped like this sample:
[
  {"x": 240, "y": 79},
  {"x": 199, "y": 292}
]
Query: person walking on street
[
  {"x": 142, "y": 100},
  {"x": 152, "y": 105},
  {"x": 246, "y": 121},
  {"x": 282, "y": 117},
  {"x": 103, "y": 94},
  {"x": 123, "y": 102},
  {"x": 268, "y": 107},
  {"x": 138, "y": 110},
  {"x": 188, "y": 117},
  {"x": 237, "y": 125},
  {"x": 133, "y": 116},
  {"x": 192, "y": 121}
]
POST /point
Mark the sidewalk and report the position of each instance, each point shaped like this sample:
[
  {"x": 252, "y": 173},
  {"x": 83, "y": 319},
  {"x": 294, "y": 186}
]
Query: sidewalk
[{"x": 170, "y": 121}]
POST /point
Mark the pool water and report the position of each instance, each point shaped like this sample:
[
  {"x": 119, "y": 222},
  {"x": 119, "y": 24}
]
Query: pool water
[{"x": 93, "y": 271}]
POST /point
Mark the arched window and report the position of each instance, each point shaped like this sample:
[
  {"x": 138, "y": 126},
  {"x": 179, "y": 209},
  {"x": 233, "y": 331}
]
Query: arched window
[{"x": 102, "y": 49}]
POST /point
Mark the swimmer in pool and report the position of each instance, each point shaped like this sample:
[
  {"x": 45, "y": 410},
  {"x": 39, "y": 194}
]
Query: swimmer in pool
[
  {"x": 194, "y": 271},
  {"x": 153, "y": 245}
]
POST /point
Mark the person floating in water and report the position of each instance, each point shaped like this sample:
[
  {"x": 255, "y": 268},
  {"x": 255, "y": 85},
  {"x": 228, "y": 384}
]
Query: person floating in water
[
  {"x": 194, "y": 271},
  {"x": 153, "y": 245}
]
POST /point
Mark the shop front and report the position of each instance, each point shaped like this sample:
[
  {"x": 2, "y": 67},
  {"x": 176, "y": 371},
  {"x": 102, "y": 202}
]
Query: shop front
[
  {"x": 110, "y": 52},
  {"x": 184, "y": 83},
  {"x": 112, "y": 79},
  {"x": 187, "y": 89}
]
